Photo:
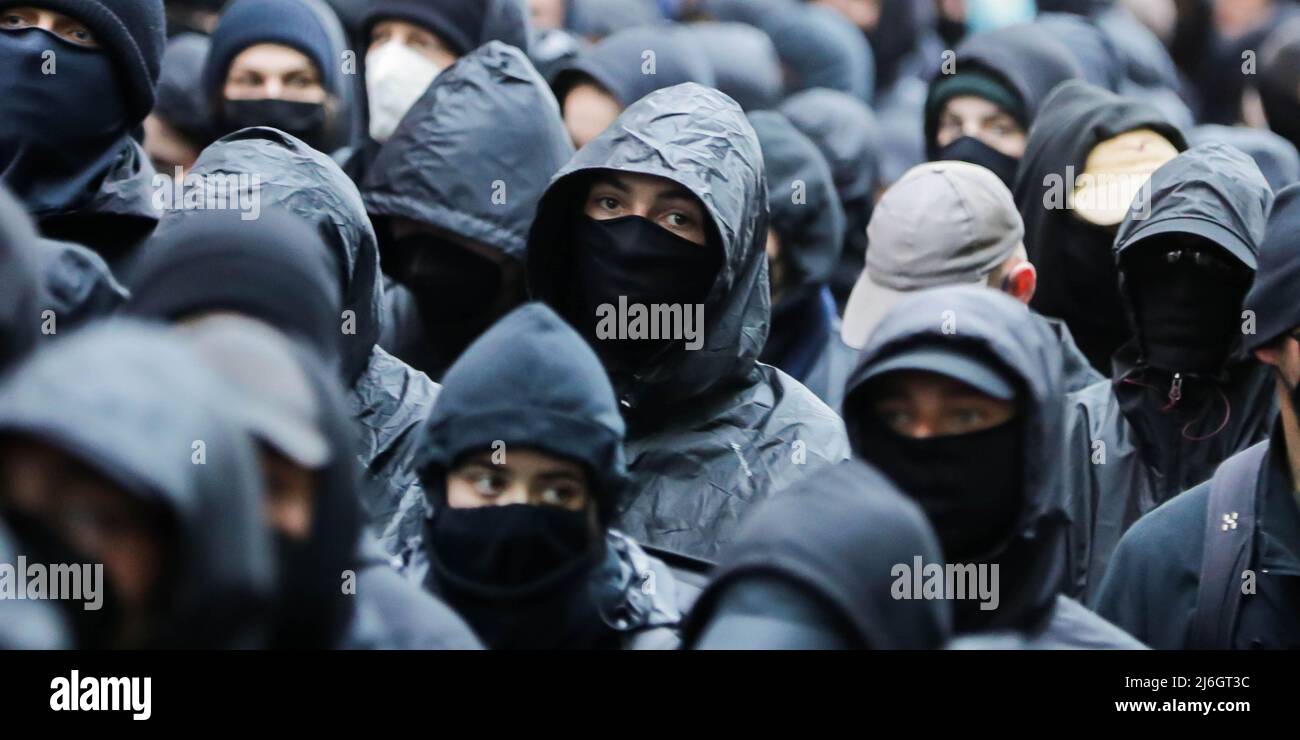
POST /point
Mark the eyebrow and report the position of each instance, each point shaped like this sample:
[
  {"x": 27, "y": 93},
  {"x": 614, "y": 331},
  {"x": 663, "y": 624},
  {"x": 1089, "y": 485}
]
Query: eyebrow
[{"x": 612, "y": 180}]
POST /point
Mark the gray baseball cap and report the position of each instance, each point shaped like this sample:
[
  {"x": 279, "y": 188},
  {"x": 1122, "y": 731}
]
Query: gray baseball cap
[
  {"x": 942, "y": 223},
  {"x": 273, "y": 397}
]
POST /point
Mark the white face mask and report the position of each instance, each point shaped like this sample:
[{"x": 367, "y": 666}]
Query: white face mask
[{"x": 396, "y": 77}]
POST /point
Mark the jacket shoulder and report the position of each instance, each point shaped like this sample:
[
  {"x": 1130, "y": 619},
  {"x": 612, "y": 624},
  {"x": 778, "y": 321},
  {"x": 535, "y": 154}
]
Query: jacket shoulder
[{"x": 1073, "y": 626}]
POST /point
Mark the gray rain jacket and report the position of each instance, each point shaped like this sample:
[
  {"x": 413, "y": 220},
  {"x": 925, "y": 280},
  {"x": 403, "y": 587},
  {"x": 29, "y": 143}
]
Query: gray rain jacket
[{"x": 711, "y": 432}]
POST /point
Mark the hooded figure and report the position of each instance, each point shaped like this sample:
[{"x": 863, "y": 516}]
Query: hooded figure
[
  {"x": 293, "y": 405},
  {"x": 540, "y": 573},
  {"x": 814, "y": 568},
  {"x": 138, "y": 423},
  {"x": 76, "y": 168},
  {"x": 712, "y": 431},
  {"x": 386, "y": 397},
  {"x": 309, "y": 41},
  {"x": 994, "y": 496},
  {"x": 1182, "y": 397},
  {"x": 22, "y": 295},
  {"x": 181, "y": 122},
  {"x": 1013, "y": 69},
  {"x": 805, "y": 237},
  {"x": 1177, "y": 577},
  {"x": 1276, "y": 157},
  {"x": 820, "y": 48},
  {"x": 745, "y": 64},
  {"x": 1071, "y": 248},
  {"x": 845, "y": 131},
  {"x": 396, "y": 69},
  {"x": 1278, "y": 81},
  {"x": 621, "y": 70},
  {"x": 452, "y": 194}
]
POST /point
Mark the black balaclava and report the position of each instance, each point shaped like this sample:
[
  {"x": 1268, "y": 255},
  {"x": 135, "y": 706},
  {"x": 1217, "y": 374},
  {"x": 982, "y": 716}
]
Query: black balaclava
[
  {"x": 968, "y": 484},
  {"x": 635, "y": 261},
  {"x": 459, "y": 292},
  {"x": 1186, "y": 294},
  {"x": 524, "y": 575},
  {"x": 54, "y": 148},
  {"x": 971, "y": 149},
  {"x": 307, "y": 121}
]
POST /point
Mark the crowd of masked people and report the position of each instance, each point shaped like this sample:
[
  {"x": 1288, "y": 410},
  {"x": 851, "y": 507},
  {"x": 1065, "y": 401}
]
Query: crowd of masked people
[{"x": 305, "y": 336}]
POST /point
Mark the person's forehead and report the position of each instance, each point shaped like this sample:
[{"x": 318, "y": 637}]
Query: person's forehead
[
  {"x": 639, "y": 183},
  {"x": 272, "y": 57},
  {"x": 528, "y": 460},
  {"x": 973, "y": 106}
]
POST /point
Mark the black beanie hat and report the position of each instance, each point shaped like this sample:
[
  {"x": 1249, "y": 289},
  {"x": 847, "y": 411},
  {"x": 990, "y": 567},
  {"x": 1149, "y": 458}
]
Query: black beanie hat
[
  {"x": 132, "y": 31},
  {"x": 274, "y": 268},
  {"x": 291, "y": 23},
  {"x": 459, "y": 23}
]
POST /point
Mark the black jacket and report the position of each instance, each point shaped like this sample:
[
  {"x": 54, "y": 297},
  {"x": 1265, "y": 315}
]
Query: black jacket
[
  {"x": 1035, "y": 563},
  {"x": 1077, "y": 278},
  {"x": 1150, "y": 453},
  {"x": 711, "y": 432},
  {"x": 1151, "y": 584}
]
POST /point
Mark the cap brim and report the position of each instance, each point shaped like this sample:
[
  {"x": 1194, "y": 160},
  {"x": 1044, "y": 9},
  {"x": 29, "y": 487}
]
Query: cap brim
[
  {"x": 949, "y": 363},
  {"x": 302, "y": 443},
  {"x": 867, "y": 306},
  {"x": 1219, "y": 235}
]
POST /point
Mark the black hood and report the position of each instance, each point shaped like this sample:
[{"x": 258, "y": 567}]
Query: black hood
[
  {"x": 1276, "y": 157},
  {"x": 997, "y": 328},
  {"x": 820, "y": 48},
  {"x": 1077, "y": 279},
  {"x": 839, "y": 534},
  {"x": 744, "y": 61},
  {"x": 618, "y": 64},
  {"x": 530, "y": 381},
  {"x": 294, "y": 177},
  {"x": 845, "y": 131},
  {"x": 1214, "y": 191},
  {"x": 897, "y": 34},
  {"x": 700, "y": 139},
  {"x": 138, "y": 419},
  {"x": 1272, "y": 296},
  {"x": 1025, "y": 59},
  {"x": 502, "y": 20},
  {"x": 805, "y": 209},
  {"x": 21, "y": 294},
  {"x": 488, "y": 119}
]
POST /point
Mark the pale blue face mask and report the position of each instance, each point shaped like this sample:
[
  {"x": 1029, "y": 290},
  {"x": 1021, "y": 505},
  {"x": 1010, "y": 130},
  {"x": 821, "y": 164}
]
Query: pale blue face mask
[{"x": 987, "y": 15}]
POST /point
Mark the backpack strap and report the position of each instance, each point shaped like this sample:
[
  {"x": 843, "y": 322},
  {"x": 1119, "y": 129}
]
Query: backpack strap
[{"x": 1229, "y": 543}]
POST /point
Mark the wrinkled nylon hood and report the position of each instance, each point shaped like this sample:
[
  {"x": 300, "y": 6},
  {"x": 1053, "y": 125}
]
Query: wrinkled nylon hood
[
  {"x": 700, "y": 139},
  {"x": 475, "y": 152},
  {"x": 996, "y": 326},
  {"x": 136, "y": 419},
  {"x": 293, "y": 176},
  {"x": 21, "y": 295},
  {"x": 839, "y": 533}
]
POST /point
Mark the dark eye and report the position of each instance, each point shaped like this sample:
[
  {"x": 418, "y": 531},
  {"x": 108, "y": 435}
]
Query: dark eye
[
  {"x": 607, "y": 203},
  {"x": 560, "y": 496}
]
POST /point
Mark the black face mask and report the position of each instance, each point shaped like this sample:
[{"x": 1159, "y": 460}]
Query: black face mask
[
  {"x": 307, "y": 121},
  {"x": 55, "y": 146},
  {"x": 93, "y": 629},
  {"x": 457, "y": 290},
  {"x": 970, "y": 485},
  {"x": 970, "y": 149},
  {"x": 312, "y": 611},
  {"x": 520, "y": 574},
  {"x": 1188, "y": 310},
  {"x": 634, "y": 259}
]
